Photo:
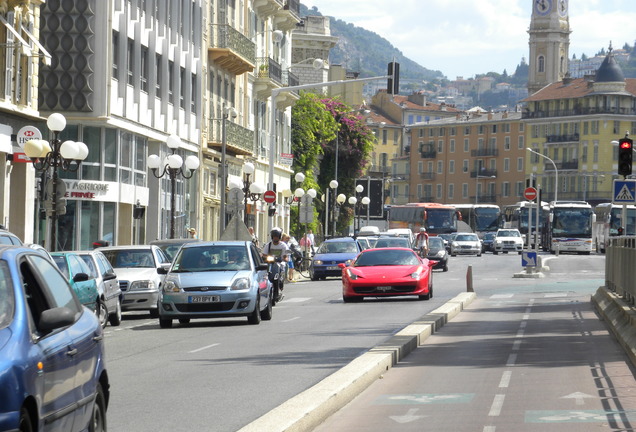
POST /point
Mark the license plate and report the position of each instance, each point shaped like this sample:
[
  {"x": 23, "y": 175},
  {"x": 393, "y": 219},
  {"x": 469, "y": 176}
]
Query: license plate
[
  {"x": 333, "y": 268},
  {"x": 205, "y": 299},
  {"x": 384, "y": 288}
]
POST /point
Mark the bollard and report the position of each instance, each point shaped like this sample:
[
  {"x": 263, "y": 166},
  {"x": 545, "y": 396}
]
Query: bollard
[
  {"x": 469, "y": 279},
  {"x": 556, "y": 249}
]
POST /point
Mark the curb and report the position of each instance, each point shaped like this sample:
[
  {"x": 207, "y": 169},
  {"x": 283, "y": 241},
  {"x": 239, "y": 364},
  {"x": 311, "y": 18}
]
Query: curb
[
  {"x": 619, "y": 317},
  {"x": 308, "y": 409}
]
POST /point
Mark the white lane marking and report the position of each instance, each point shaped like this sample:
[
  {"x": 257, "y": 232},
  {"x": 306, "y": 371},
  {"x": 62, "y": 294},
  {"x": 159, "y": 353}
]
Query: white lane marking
[
  {"x": 497, "y": 404},
  {"x": 490, "y": 428},
  {"x": 512, "y": 359},
  {"x": 552, "y": 295},
  {"x": 291, "y": 319},
  {"x": 297, "y": 299},
  {"x": 516, "y": 345},
  {"x": 202, "y": 348},
  {"x": 526, "y": 316},
  {"x": 505, "y": 379},
  {"x": 520, "y": 333},
  {"x": 501, "y": 296}
]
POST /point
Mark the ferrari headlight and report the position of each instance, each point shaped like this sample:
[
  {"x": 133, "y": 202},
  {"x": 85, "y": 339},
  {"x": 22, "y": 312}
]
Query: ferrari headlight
[
  {"x": 171, "y": 286},
  {"x": 351, "y": 274},
  {"x": 142, "y": 285},
  {"x": 240, "y": 284},
  {"x": 417, "y": 274}
]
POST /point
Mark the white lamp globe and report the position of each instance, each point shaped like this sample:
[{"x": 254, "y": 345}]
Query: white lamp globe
[
  {"x": 173, "y": 141},
  {"x": 299, "y": 192},
  {"x": 33, "y": 148},
  {"x": 175, "y": 161},
  {"x": 46, "y": 148},
  {"x": 192, "y": 162},
  {"x": 255, "y": 188},
  {"x": 153, "y": 161},
  {"x": 333, "y": 184},
  {"x": 341, "y": 198},
  {"x": 359, "y": 188},
  {"x": 287, "y": 193},
  {"x": 318, "y": 63},
  {"x": 82, "y": 151},
  {"x": 248, "y": 168},
  {"x": 353, "y": 200},
  {"x": 299, "y": 177},
  {"x": 69, "y": 150},
  {"x": 312, "y": 193},
  {"x": 366, "y": 200},
  {"x": 56, "y": 122}
]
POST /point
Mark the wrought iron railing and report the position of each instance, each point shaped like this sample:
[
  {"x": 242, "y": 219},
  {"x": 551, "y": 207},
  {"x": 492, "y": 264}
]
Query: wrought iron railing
[
  {"x": 236, "y": 135},
  {"x": 225, "y": 36}
]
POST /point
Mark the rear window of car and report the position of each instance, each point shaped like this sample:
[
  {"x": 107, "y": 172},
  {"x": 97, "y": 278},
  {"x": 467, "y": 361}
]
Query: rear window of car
[
  {"x": 7, "y": 304},
  {"x": 130, "y": 258}
]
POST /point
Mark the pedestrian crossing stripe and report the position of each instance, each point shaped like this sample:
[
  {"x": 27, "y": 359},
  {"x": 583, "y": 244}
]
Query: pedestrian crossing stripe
[{"x": 625, "y": 194}]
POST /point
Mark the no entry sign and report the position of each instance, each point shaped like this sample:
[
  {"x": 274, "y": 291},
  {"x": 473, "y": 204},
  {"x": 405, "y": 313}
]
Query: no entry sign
[
  {"x": 530, "y": 193},
  {"x": 269, "y": 196}
]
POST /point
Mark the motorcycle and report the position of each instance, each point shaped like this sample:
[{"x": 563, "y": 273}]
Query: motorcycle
[{"x": 276, "y": 272}]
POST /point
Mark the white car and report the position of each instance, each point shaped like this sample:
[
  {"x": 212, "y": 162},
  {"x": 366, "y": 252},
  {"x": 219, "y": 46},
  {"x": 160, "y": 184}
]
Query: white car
[
  {"x": 465, "y": 244},
  {"x": 141, "y": 270},
  {"x": 508, "y": 240}
]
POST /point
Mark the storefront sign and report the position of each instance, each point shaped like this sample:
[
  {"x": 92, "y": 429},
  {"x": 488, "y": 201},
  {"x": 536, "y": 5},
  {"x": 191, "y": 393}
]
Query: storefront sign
[{"x": 91, "y": 190}]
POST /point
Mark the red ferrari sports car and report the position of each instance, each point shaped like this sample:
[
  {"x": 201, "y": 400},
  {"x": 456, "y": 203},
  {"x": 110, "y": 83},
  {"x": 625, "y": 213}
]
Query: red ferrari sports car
[{"x": 387, "y": 272}]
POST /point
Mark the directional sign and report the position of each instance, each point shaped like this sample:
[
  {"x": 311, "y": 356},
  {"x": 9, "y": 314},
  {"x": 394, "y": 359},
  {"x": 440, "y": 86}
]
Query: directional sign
[
  {"x": 269, "y": 196},
  {"x": 530, "y": 193},
  {"x": 624, "y": 192},
  {"x": 529, "y": 259}
]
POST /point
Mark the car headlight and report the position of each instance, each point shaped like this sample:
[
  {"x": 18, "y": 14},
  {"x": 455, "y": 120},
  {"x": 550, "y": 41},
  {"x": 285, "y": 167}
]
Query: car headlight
[
  {"x": 240, "y": 284},
  {"x": 441, "y": 253},
  {"x": 351, "y": 274},
  {"x": 417, "y": 274},
  {"x": 142, "y": 285},
  {"x": 171, "y": 286},
  {"x": 348, "y": 262},
  {"x": 317, "y": 262},
  {"x": 454, "y": 244}
]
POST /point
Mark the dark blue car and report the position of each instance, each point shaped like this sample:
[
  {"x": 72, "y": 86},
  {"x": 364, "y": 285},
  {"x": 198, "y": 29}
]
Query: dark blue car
[
  {"x": 331, "y": 253},
  {"x": 52, "y": 372}
]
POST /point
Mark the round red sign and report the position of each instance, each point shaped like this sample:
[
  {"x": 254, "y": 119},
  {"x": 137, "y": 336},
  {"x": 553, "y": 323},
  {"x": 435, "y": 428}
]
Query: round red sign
[
  {"x": 269, "y": 196},
  {"x": 530, "y": 193}
]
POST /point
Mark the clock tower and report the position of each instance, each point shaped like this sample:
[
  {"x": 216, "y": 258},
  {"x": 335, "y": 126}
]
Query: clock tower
[{"x": 549, "y": 43}]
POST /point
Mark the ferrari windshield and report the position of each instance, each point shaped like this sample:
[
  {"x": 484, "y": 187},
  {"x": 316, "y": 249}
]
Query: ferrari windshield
[{"x": 386, "y": 257}]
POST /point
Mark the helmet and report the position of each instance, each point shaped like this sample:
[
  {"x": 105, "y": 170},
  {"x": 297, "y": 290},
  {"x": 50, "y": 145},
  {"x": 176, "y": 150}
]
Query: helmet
[
  {"x": 422, "y": 229},
  {"x": 276, "y": 232}
]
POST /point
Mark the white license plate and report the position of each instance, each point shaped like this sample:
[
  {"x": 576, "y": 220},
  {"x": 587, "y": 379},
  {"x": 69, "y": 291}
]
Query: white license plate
[
  {"x": 333, "y": 268},
  {"x": 384, "y": 288},
  {"x": 205, "y": 299}
]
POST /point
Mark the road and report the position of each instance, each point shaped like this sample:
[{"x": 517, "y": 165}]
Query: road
[{"x": 222, "y": 374}]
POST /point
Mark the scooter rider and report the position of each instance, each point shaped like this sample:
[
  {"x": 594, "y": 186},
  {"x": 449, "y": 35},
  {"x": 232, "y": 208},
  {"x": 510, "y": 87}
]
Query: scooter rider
[{"x": 278, "y": 249}]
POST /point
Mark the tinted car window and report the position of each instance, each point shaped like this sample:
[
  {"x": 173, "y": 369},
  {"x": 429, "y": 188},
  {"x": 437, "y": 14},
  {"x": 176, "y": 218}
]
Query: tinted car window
[{"x": 7, "y": 301}]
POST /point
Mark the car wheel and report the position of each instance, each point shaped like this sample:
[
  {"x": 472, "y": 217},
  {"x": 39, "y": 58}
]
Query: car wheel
[
  {"x": 255, "y": 317},
  {"x": 184, "y": 320},
  {"x": 115, "y": 318},
  {"x": 154, "y": 313},
  {"x": 98, "y": 418},
  {"x": 165, "y": 322},
  {"x": 101, "y": 312},
  {"x": 266, "y": 314},
  {"x": 478, "y": 254},
  {"x": 445, "y": 267},
  {"x": 25, "y": 424}
]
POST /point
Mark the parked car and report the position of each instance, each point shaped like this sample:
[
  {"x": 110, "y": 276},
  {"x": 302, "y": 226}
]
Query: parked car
[
  {"x": 332, "y": 252},
  {"x": 387, "y": 272},
  {"x": 77, "y": 274},
  {"x": 403, "y": 232},
  {"x": 465, "y": 244},
  {"x": 52, "y": 365},
  {"x": 488, "y": 242},
  {"x": 437, "y": 251},
  {"x": 171, "y": 246},
  {"x": 8, "y": 238},
  {"x": 216, "y": 280},
  {"x": 141, "y": 270},
  {"x": 508, "y": 240},
  {"x": 109, "y": 306}
]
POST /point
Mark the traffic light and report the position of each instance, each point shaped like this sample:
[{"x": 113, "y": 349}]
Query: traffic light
[
  {"x": 393, "y": 83},
  {"x": 625, "y": 146}
]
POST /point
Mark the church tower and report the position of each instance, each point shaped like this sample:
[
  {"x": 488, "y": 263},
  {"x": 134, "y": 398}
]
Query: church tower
[{"x": 549, "y": 43}]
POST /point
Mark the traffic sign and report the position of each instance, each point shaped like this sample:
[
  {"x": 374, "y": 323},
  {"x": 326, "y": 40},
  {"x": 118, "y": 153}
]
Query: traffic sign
[
  {"x": 269, "y": 196},
  {"x": 624, "y": 192},
  {"x": 530, "y": 193}
]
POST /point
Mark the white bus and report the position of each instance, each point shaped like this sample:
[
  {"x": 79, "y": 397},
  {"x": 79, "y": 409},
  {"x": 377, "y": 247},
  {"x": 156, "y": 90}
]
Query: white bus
[
  {"x": 568, "y": 227},
  {"x": 608, "y": 223}
]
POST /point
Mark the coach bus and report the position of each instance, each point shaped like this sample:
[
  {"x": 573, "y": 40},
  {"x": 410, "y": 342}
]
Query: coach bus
[
  {"x": 516, "y": 216},
  {"x": 436, "y": 218},
  {"x": 568, "y": 227},
  {"x": 481, "y": 218},
  {"x": 608, "y": 223}
]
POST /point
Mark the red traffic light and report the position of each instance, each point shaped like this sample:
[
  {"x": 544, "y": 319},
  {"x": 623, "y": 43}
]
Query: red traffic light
[{"x": 624, "y": 144}]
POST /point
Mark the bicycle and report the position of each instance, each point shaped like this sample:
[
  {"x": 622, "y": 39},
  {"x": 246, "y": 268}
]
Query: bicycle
[{"x": 302, "y": 266}]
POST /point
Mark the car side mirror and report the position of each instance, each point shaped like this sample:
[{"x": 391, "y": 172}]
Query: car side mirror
[
  {"x": 163, "y": 269},
  {"x": 110, "y": 275},
  {"x": 80, "y": 277},
  {"x": 342, "y": 265},
  {"x": 263, "y": 266},
  {"x": 55, "y": 318}
]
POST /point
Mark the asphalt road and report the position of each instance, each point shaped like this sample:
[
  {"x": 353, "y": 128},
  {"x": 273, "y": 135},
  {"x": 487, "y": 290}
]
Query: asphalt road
[{"x": 220, "y": 375}]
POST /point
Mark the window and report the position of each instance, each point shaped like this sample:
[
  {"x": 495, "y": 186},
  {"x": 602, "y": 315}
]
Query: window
[
  {"x": 451, "y": 167},
  {"x": 505, "y": 189},
  {"x": 595, "y": 125},
  {"x": 465, "y": 166},
  {"x": 595, "y": 155},
  {"x": 464, "y": 190},
  {"x": 520, "y": 164},
  {"x": 396, "y": 136},
  {"x": 440, "y": 146},
  {"x": 440, "y": 167},
  {"x": 160, "y": 75},
  {"x": 182, "y": 87},
  {"x": 115, "y": 55},
  {"x": 541, "y": 64},
  {"x": 452, "y": 146},
  {"x": 170, "y": 81},
  {"x": 451, "y": 191},
  {"x": 130, "y": 58},
  {"x": 506, "y": 165},
  {"x": 439, "y": 191},
  {"x": 521, "y": 143},
  {"x": 466, "y": 144},
  {"x": 420, "y": 167},
  {"x": 507, "y": 143},
  {"x": 466, "y": 130},
  {"x": 144, "y": 69}
]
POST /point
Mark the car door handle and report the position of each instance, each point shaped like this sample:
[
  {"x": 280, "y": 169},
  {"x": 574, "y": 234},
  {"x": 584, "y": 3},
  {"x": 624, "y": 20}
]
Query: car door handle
[
  {"x": 98, "y": 338},
  {"x": 71, "y": 352}
]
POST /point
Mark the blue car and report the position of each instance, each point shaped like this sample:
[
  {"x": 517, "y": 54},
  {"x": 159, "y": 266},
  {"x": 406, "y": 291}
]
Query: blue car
[
  {"x": 52, "y": 371},
  {"x": 331, "y": 253}
]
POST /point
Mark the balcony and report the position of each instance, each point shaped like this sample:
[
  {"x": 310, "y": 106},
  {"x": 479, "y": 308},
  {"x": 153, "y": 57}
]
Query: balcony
[
  {"x": 427, "y": 176},
  {"x": 566, "y": 165},
  {"x": 239, "y": 140},
  {"x": 492, "y": 152},
  {"x": 430, "y": 154},
  {"x": 426, "y": 198},
  {"x": 231, "y": 50},
  {"x": 266, "y": 8},
  {"x": 269, "y": 75},
  {"x": 484, "y": 199},
  {"x": 287, "y": 17},
  {"x": 549, "y": 139},
  {"x": 379, "y": 169},
  {"x": 577, "y": 112},
  {"x": 484, "y": 173}
]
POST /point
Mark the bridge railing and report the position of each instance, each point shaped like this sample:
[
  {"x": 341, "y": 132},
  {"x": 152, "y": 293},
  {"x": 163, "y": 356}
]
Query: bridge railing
[{"x": 620, "y": 271}]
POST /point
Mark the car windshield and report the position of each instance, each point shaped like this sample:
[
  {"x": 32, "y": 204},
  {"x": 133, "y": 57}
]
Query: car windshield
[
  {"x": 392, "y": 242},
  {"x": 466, "y": 237},
  {"x": 386, "y": 258},
  {"x": 435, "y": 243},
  {"x": 130, "y": 258},
  {"x": 338, "y": 247},
  {"x": 6, "y": 294},
  {"x": 211, "y": 258},
  {"x": 508, "y": 234}
]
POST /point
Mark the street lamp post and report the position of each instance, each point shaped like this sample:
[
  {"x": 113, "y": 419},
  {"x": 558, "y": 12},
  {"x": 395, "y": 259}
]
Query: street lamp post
[
  {"x": 353, "y": 201},
  {"x": 173, "y": 167},
  {"x": 556, "y": 172},
  {"x": 67, "y": 155},
  {"x": 227, "y": 113},
  {"x": 333, "y": 184},
  {"x": 365, "y": 202},
  {"x": 252, "y": 190}
]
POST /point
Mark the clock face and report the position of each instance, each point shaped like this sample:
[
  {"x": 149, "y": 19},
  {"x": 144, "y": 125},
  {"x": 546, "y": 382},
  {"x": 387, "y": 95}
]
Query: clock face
[
  {"x": 543, "y": 7},
  {"x": 563, "y": 7}
]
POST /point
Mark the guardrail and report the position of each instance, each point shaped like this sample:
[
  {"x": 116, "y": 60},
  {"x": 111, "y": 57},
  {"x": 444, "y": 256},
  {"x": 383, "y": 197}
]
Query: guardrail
[{"x": 620, "y": 256}]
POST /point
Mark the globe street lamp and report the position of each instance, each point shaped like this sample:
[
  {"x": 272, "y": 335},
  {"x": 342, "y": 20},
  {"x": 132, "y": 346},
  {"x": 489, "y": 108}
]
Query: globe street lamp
[
  {"x": 333, "y": 184},
  {"x": 173, "y": 167},
  {"x": 67, "y": 155},
  {"x": 252, "y": 190},
  {"x": 365, "y": 202},
  {"x": 556, "y": 172}
]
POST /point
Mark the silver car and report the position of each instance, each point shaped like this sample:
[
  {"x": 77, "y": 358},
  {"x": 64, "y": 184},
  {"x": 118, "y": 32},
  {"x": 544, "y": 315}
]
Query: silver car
[
  {"x": 141, "y": 270},
  {"x": 216, "y": 280},
  {"x": 109, "y": 307},
  {"x": 465, "y": 244}
]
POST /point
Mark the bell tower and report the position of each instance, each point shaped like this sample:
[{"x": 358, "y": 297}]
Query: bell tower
[{"x": 549, "y": 43}]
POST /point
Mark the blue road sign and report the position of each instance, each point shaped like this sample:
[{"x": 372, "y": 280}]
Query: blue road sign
[
  {"x": 529, "y": 259},
  {"x": 624, "y": 192}
]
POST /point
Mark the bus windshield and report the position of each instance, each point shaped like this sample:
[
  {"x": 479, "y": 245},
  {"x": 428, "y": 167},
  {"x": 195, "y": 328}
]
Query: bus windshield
[
  {"x": 486, "y": 219},
  {"x": 615, "y": 221},
  {"x": 440, "y": 220},
  {"x": 572, "y": 222}
]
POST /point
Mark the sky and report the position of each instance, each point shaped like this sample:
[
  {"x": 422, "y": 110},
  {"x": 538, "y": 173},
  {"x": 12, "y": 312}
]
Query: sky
[{"x": 469, "y": 37}]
